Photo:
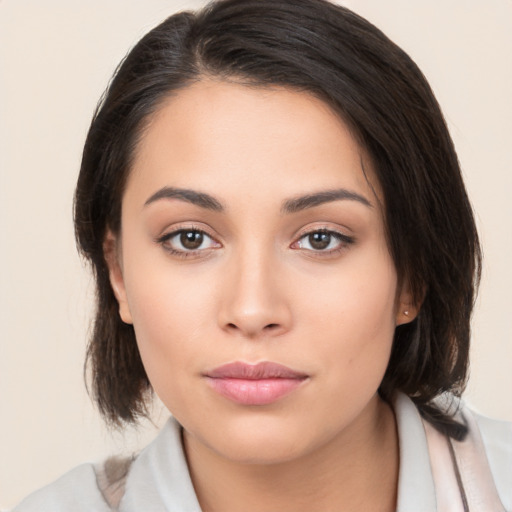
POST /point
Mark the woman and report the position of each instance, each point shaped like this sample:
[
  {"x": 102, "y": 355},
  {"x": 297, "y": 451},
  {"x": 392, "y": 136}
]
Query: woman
[{"x": 285, "y": 254}]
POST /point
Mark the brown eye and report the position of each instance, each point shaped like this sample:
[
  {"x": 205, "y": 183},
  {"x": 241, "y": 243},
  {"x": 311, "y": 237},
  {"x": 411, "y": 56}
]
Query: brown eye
[
  {"x": 191, "y": 240},
  {"x": 323, "y": 241},
  {"x": 319, "y": 240},
  {"x": 185, "y": 242}
]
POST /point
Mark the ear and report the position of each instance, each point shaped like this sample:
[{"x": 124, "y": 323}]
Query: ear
[
  {"x": 112, "y": 253},
  {"x": 407, "y": 307}
]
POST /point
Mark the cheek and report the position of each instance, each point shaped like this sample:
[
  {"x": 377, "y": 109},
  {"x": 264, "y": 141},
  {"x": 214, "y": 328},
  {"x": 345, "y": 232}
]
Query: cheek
[
  {"x": 165, "y": 316},
  {"x": 355, "y": 312},
  {"x": 362, "y": 292},
  {"x": 170, "y": 341},
  {"x": 169, "y": 314}
]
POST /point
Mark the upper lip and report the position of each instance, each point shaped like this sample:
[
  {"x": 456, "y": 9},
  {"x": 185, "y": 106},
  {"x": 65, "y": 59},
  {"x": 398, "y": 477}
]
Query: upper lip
[{"x": 259, "y": 371}]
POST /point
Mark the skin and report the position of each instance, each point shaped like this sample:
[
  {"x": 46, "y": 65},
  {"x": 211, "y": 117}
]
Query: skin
[{"x": 257, "y": 290}]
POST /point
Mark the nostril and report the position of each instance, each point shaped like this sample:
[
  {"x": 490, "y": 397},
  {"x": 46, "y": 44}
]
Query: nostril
[{"x": 268, "y": 327}]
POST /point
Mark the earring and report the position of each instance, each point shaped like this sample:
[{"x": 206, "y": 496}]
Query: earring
[{"x": 406, "y": 312}]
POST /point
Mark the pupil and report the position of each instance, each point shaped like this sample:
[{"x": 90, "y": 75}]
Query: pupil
[
  {"x": 191, "y": 239},
  {"x": 319, "y": 240}
]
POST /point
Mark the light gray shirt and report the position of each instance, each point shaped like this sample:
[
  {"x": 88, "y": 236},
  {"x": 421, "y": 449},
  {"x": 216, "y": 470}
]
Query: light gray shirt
[{"x": 159, "y": 480}]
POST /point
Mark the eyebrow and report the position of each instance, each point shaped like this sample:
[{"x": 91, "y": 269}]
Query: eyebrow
[
  {"x": 294, "y": 205},
  {"x": 326, "y": 196},
  {"x": 190, "y": 196}
]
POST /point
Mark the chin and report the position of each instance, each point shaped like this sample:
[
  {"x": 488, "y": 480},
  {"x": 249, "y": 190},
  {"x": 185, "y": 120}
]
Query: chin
[
  {"x": 260, "y": 440},
  {"x": 266, "y": 451}
]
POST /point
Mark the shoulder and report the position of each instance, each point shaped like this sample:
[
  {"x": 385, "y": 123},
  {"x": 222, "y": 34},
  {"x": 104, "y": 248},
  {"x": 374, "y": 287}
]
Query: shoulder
[
  {"x": 157, "y": 479},
  {"x": 497, "y": 441},
  {"x": 497, "y": 438},
  {"x": 436, "y": 469},
  {"x": 77, "y": 490}
]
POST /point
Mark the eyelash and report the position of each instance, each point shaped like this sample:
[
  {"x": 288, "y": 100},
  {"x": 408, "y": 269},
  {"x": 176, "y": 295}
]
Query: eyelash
[
  {"x": 344, "y": 242},
  {"x": 183, "y": 253}
]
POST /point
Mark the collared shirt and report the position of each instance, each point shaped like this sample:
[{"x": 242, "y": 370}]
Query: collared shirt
[{"x": 159, "y": 480}]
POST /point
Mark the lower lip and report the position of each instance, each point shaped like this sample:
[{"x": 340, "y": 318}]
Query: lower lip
[{"x": 254, "y": 392}]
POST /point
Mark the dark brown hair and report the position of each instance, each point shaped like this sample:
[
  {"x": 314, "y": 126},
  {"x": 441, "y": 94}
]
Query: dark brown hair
[{"x": 330, "y": 52}]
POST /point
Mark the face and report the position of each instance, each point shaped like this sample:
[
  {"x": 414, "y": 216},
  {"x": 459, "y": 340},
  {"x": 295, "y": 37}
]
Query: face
[{"x": 253, "y": 264}]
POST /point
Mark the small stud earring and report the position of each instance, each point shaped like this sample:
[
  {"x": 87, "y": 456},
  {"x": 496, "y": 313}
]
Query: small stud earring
[{"x": 406, "y": 312}]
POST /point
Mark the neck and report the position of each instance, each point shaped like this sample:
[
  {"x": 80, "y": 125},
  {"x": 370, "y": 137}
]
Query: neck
[{"x": 356, "y": 470}]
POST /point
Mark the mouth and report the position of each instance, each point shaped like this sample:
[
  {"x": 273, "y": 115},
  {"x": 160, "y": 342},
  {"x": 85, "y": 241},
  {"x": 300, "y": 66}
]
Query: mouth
[{"x": 254, "y": 384}]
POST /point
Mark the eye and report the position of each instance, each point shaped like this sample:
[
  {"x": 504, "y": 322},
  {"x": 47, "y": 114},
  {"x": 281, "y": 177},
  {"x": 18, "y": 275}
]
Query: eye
[
  {"x": 323, "y": 240},
  {"x": 186, "y": 241}
]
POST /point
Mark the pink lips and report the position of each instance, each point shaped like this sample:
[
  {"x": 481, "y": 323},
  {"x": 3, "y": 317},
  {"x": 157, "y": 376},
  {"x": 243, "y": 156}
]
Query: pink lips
[{"x": 259, "y": 384}]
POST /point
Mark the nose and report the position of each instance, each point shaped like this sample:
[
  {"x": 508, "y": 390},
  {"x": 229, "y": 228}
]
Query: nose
[{"x": 254, "y": 301}]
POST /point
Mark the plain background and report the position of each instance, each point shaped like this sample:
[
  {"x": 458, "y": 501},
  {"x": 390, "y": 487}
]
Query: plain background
[{"x": 55, "y": 59}]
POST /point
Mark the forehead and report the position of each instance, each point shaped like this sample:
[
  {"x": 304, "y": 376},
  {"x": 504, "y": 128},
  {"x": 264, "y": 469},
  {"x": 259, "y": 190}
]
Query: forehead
[{"x": 213, "y": 134}]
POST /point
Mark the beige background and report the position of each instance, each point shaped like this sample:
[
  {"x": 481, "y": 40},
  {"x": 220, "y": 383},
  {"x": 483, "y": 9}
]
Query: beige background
[{"x": 56, "y": 57}]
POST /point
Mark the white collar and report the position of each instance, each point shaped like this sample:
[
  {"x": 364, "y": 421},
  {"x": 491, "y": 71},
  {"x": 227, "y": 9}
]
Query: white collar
[
  {"x": 159, "y": 479},
  {"x": 416, "y": 490}
]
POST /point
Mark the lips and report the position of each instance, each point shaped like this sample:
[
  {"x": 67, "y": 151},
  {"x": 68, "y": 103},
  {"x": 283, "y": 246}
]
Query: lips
[{"x": 254, "y": 384}]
